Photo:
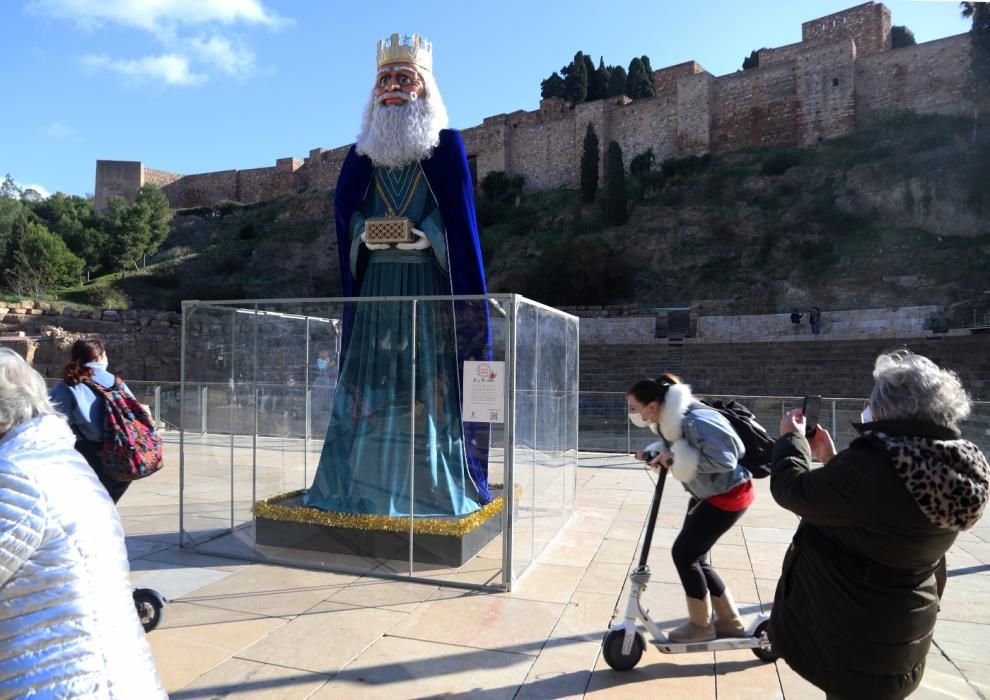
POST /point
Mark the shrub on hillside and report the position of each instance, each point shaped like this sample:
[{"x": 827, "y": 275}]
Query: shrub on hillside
[
  {"x": 780, "y": 162},
  {"x": 580, "y": 271},
  {"x": 686, "y": 166},
  {"x": 106, "y": 297}
]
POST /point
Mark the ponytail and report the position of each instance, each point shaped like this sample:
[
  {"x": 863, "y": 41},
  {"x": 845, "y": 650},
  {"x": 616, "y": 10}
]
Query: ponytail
[{"x": 84, "y": 350}]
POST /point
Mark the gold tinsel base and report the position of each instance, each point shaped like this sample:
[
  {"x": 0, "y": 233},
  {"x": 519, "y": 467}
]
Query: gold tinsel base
[{"x": 274, "y": 508}]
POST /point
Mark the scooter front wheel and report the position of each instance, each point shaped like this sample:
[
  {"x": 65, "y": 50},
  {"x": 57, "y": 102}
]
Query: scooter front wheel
[
  {"x": 764, "y": 653},
  {"x": 149, "y": 604},
  {"x": 612, "y": 649}
]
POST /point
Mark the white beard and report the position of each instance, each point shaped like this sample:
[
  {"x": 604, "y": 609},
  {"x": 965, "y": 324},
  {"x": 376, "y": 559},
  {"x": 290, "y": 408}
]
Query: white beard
[{"x": 396, "y": 136}]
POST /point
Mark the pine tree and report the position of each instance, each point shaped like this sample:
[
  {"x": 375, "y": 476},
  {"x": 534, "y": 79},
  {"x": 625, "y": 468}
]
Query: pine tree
[
  {"x": 576, "y": 80},
  {"x": 43, "y": 257},
  {"x": 901, "y": 36},
  {"x": 552, "y": 86},
  {"x": 616, "y": 81},
  {"x": 616, "y": 202},
  {"x": 589, "y": 166}
]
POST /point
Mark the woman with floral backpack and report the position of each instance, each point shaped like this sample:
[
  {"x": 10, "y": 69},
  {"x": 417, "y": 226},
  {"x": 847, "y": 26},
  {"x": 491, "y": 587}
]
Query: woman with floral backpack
[{"x": 85, "y": 409}]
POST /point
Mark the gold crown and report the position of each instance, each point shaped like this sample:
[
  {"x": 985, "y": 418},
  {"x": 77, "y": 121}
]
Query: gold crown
[{"x": 414, "y": 49}]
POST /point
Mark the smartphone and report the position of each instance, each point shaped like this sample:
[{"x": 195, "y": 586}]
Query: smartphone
[{"x": 811, "y": 409}]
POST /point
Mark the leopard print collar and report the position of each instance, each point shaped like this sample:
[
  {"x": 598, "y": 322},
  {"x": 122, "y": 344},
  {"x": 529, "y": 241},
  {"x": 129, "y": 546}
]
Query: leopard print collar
[{"x": 948, "y": 479}]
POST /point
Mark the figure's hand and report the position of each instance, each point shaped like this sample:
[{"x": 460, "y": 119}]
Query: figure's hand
[
  {"x": 822, "y": 446},
  {"x": 421, "y": 242},
  {"x": 793, "y": 422},
  {"x": 373, "y": 246}
]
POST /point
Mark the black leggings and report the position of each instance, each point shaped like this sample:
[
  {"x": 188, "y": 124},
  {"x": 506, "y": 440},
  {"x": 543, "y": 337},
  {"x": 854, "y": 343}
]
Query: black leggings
[
  {"x": 703, "y": 525},
  {"x": 91, "y": 451}
]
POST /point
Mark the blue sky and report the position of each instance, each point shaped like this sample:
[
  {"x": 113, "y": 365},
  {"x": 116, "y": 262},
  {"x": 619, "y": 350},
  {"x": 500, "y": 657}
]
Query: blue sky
[{"x": 200, "y": 85}]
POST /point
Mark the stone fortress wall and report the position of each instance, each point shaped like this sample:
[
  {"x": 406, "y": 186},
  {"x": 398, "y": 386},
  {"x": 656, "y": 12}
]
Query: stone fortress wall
[{"x": 841, "y": 74}]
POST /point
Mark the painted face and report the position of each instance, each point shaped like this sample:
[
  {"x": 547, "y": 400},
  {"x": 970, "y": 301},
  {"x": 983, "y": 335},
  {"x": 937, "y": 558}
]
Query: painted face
[{"x": 398, "y": 84}]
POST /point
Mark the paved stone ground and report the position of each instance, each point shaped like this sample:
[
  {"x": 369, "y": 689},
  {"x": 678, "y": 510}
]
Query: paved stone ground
[{"x": 246, "y": 629}]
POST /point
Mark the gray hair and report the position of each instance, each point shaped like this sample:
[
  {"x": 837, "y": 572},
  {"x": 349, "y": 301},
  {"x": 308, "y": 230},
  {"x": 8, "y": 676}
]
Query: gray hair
[
  {"x": 23, "y": 394},
  {"x": 912, "y": 387}
]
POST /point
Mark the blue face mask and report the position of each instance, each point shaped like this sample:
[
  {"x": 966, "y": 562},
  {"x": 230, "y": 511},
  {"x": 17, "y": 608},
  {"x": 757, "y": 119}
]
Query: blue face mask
[
  {"x": 321, "y": 364},
  {"x": 100, "y": 365}
]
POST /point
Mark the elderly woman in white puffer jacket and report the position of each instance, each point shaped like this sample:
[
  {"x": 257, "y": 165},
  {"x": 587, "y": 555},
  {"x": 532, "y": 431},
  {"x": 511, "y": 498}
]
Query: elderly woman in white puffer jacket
[{"x": 68, "y": 627}]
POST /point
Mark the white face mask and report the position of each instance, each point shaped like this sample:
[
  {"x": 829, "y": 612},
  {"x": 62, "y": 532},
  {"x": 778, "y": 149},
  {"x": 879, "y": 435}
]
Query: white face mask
[
  {"x": 866, "y": 416},
  {"x": 636, "y": 419}
]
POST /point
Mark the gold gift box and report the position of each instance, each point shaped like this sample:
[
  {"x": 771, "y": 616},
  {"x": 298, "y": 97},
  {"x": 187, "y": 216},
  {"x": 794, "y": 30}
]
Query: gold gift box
[{"x": 391, "y": 229}]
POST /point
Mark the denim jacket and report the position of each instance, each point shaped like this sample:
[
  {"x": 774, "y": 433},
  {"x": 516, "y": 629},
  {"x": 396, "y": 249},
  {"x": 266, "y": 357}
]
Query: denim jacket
[{"x": 705, "y": 447}]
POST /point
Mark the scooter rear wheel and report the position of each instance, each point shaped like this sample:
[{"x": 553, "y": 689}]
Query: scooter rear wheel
[
  {"x": 763, "y": 653},
  {"x": 612, "y": 650},
  {"x": 149, "y": 605}
]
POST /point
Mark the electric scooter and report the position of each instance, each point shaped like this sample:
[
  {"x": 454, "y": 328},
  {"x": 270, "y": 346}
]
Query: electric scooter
[{"x": 624, "y": 644}]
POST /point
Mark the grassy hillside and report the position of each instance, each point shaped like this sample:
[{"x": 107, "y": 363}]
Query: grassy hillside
[{"x": 895, "y": 214}]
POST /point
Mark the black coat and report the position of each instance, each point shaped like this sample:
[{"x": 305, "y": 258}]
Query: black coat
[{"x": 856, "y": 602}]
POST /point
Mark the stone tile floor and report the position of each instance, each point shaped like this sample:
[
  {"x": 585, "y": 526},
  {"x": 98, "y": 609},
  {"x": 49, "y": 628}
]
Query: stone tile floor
[{"x": 241, "y": 629}]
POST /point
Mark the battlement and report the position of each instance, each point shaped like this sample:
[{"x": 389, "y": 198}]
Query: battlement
[{"x": 840, "y": 75}]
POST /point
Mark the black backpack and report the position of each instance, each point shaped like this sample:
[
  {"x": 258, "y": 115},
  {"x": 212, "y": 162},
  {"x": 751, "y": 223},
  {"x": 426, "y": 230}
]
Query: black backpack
[{"x": 756, "y": 439}]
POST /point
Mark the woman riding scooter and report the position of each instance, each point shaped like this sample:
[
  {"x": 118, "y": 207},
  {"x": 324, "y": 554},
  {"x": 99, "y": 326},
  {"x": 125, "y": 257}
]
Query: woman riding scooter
[{"x": 702, "y": 451}]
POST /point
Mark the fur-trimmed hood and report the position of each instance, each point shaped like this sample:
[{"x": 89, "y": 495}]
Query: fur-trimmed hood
[{"x": 948, "y": 479}]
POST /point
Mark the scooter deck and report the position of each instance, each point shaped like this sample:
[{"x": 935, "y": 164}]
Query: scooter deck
[{"x": 723, "y": 644}]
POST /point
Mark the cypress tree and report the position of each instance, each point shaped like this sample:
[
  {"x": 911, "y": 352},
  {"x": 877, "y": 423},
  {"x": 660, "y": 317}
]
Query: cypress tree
[
  {"x": 601, "y": 79},
  {"x": 589, "y": 70},
  {"x": 978, "y": 77},
  {"x": 647, "y": 87},
  {"x": 639, "y": 84},
  {"x": 576, "y": 80},
  {"x": 589, "y": 166},
  {"x": 616, "y": 81},
  {"x": 635, "y": 78},
  {"x": 615, "y": 187}
]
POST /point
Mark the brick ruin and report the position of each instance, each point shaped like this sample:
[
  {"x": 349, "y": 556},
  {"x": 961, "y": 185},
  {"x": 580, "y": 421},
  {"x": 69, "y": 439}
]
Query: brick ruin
[{"x": 841, "y": 74}]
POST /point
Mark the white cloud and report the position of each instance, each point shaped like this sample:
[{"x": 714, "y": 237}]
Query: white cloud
[
  {"x": 185, "y": 59},
  {"x": 57, "y": 131},
  {"x": 159, "y": 16},
  {"x": 218, "y": 51},
  {"x": 45, "y": 194},
  {"x": 170, "y": 68}
]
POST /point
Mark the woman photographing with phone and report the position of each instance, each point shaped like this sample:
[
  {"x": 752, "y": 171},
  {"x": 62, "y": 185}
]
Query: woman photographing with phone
[
  {"x": 702, "y": 451},
  {"x": 856, "y": 602}
]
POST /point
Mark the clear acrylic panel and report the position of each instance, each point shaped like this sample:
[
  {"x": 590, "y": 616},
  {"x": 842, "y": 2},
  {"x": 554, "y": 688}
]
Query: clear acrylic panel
[{"x": 346, "y": 417}]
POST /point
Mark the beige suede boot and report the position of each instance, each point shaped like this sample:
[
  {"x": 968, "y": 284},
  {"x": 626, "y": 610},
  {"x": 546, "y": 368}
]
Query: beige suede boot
[
  {"x": 727, "y": 620},
  {"x": 699, "y": 627}
]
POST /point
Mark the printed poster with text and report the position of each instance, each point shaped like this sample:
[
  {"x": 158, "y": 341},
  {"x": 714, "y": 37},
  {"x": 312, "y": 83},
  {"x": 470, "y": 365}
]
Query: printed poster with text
[{"x": 484, "y": 392}]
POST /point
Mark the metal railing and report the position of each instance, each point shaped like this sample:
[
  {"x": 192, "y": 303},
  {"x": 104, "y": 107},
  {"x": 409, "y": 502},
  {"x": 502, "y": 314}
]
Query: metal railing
[{"x": 604, "y": 425}]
